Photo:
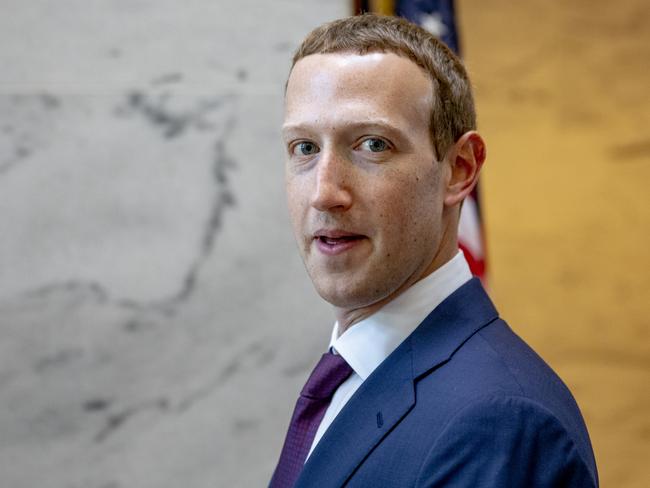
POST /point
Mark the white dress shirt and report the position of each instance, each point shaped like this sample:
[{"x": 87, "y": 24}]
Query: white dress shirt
[{"x": 367, "y": 343}]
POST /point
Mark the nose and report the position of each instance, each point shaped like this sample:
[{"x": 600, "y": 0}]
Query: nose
[{"x": 332, "y": 192}]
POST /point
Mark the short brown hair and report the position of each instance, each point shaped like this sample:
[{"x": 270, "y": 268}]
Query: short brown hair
[{"x": 453, "y": 111}]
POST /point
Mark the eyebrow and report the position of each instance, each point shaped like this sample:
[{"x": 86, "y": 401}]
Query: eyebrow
[{"x": 377, "y": 124}]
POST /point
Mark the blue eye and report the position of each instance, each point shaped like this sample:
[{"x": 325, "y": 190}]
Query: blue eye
[
  {"x": 375, "y": 145},
  {"x": 305, "y": 148}
]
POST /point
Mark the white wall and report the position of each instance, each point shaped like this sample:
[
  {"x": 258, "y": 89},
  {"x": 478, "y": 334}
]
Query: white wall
[{"x": 155, "y": 320}]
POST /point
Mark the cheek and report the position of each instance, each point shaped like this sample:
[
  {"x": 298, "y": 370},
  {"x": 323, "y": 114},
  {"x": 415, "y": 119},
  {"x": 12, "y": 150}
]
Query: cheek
[
  {"x": 295, "y": 205},
  {"x": 415, "y": 191},
  {"x": 296, "y": 191},
  {"x": 412, "y": 209}
]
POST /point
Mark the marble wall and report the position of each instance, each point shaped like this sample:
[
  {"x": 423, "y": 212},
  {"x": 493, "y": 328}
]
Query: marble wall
[{"x": 148, "y": 277}]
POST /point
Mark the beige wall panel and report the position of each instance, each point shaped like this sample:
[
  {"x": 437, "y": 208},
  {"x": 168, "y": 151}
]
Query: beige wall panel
[{"x": 564, "y": 102}]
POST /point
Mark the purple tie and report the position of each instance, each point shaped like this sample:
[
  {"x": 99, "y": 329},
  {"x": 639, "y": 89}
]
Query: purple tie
[{"x": 329, "y": 373}]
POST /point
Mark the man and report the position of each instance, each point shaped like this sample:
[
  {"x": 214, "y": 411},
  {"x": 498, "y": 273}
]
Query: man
[{"x": 424, "y": 385}]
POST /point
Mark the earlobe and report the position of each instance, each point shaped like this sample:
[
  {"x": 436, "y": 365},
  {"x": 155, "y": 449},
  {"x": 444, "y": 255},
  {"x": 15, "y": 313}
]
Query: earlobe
[{"x": 465, "y": 157}]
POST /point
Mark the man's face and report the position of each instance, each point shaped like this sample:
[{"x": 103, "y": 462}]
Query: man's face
[{"x": 364, "y": 189}]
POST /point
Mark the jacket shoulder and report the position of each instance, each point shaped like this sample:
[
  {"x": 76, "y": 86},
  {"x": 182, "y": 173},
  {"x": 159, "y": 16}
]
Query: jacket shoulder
[
  {"x": 505, "y": 440},
  {"x": 495, "y": 373}
]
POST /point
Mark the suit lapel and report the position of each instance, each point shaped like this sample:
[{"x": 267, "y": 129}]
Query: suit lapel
[
  {"x": 447, "y": 328},
  {"x": 388, "y": 394},
  {"x": 379, "y": 403}
]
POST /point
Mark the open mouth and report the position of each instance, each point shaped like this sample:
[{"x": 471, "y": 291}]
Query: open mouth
[{"x": 332, "y": 241}]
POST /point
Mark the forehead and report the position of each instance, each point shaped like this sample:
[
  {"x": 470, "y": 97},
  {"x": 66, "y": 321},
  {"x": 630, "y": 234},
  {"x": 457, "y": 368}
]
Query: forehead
[{"x": 346, "y": 87}]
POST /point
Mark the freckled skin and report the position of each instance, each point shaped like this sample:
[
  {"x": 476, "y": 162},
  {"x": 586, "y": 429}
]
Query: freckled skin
[{"x": 394, "y": 197}]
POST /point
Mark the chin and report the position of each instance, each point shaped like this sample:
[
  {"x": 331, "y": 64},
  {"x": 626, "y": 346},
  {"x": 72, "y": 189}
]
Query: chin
[{"x": 349, "y": 297}]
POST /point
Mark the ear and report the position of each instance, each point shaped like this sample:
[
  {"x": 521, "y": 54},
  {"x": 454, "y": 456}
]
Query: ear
[{"x": 465, "y": 159}]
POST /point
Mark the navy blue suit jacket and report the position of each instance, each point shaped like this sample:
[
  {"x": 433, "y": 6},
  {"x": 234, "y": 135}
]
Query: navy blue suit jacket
[{"x": 462, "y": 402}]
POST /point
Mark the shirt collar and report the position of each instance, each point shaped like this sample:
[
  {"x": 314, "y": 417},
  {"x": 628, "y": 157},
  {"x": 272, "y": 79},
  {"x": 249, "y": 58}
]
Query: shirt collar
[{"x": 367, "y": 343}]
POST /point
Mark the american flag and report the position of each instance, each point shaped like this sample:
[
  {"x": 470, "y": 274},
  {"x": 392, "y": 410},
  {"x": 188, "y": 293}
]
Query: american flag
[{"x": 438, "y": 17}]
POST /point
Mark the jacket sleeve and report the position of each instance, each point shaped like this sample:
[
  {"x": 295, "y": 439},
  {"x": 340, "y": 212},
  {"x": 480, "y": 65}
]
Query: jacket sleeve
[{"x": 505, "y": 441}]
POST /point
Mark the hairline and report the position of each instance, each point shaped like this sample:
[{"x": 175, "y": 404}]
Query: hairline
[
  {"x": 452, "y": 113},
  {"x": 384, "y": 50}
]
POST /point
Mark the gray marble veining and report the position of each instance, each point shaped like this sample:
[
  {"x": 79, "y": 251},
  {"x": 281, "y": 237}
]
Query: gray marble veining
[{"x": 150, "y": 292}]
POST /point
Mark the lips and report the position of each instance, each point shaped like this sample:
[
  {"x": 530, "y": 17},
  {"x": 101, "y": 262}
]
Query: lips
[
  {"x": 334, "y": 241},
  {"x": 338, "y": 240}
]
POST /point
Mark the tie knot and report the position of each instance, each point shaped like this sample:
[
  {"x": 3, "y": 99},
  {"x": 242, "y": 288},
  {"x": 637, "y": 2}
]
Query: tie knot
[{"x": 329, "y": 373}]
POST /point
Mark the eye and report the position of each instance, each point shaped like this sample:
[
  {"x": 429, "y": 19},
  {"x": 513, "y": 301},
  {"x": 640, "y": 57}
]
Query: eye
[
  {"x": 304, "y": 148},
  {"x": 374, "y": 144}
]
